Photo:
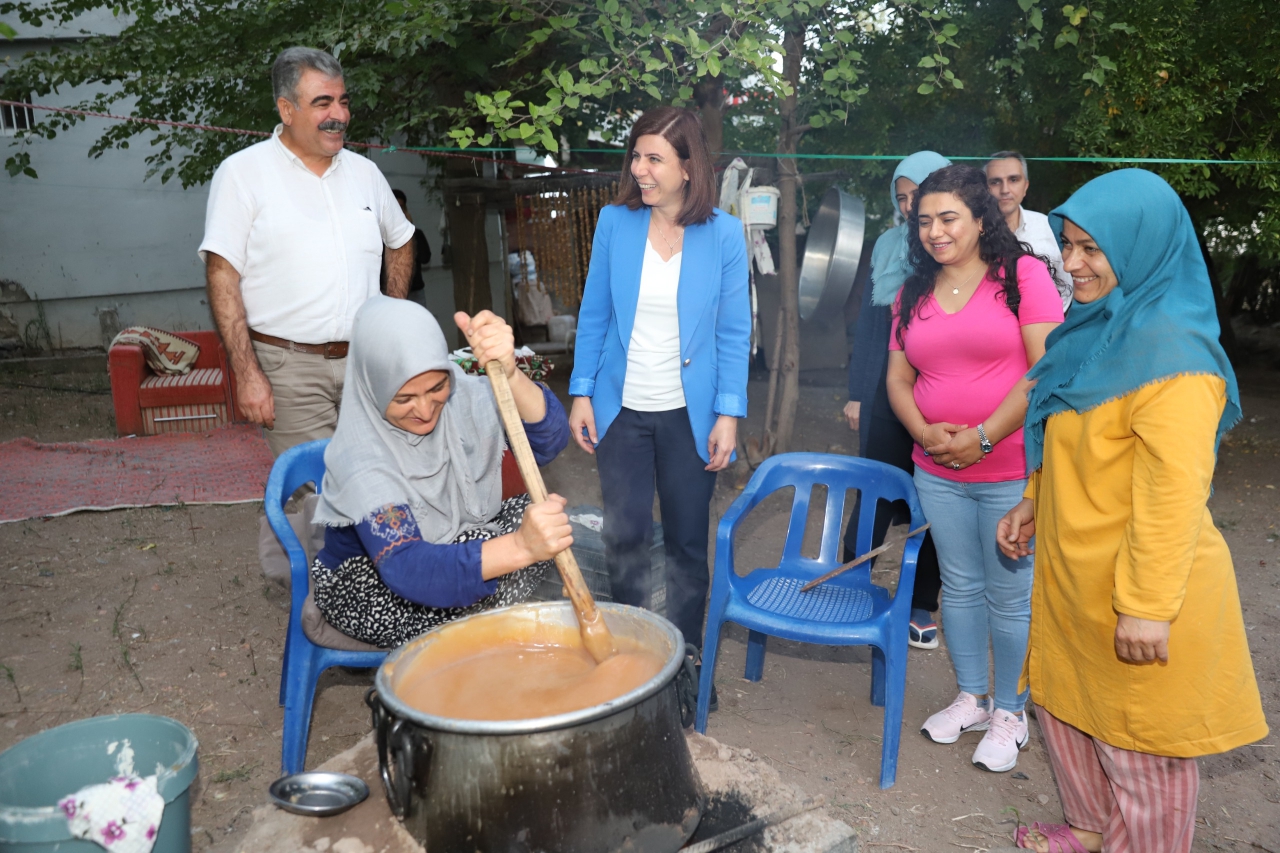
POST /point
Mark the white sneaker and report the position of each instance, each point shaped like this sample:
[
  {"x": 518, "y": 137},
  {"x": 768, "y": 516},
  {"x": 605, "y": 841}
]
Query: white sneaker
[
  {"x": 962, "y": 715},
  {"x": 998, "y": 751}
]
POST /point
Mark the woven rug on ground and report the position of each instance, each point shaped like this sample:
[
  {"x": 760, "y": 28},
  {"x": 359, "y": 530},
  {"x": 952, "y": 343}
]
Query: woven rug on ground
[{"x": 224, "y": 466}]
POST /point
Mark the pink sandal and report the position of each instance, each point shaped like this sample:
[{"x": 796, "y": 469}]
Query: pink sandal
[{"x": 1060, "y": 837}]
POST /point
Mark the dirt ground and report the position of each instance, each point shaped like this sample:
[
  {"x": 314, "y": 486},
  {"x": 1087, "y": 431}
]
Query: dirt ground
[{"x": 166, "y": 611}]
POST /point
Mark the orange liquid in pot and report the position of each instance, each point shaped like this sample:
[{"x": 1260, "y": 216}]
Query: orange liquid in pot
[{"x": 516, "y": 680}]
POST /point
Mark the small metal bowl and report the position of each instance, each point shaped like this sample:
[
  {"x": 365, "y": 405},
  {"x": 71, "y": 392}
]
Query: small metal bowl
[{"x": 318, "y": 794}]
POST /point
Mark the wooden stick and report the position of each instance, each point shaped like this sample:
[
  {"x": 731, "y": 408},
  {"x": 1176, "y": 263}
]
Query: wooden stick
[
  {"x": 874, "y": 552},
  {"x": 595, "y": 634},
  {"x": 724, "y": 839}
]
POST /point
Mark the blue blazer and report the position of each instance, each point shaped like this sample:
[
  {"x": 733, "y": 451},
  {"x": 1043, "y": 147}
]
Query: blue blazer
[{"x": 713, "y": 306}]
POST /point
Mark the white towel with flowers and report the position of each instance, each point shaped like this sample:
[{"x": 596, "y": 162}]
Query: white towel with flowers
[{"x": 122, "y": 815}]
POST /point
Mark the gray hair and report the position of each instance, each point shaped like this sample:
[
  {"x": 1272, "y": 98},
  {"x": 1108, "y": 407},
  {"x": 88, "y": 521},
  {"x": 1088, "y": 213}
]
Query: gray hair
[
  {"x": 1007, "y": 155},
  {"x": 287, "y": 70}
]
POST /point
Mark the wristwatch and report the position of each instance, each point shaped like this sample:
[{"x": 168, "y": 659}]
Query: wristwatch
[{"x": 987, "y": 446}]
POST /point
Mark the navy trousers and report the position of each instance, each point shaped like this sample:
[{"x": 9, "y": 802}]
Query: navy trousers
[{"x": 639, "y": 450}]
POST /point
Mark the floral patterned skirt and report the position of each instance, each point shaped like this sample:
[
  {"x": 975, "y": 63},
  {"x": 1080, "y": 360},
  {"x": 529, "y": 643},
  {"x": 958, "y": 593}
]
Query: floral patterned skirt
[{"x": 353, "y": 598}]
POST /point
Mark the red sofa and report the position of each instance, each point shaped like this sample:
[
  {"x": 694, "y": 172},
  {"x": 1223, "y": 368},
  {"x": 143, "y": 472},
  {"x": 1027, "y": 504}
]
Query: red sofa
[{"x": 149, "y": 404}]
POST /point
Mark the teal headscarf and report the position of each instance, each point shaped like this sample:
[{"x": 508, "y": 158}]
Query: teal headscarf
[
  {"x": 889, "y": 264},
  {"x": 1158, "y": 322}
]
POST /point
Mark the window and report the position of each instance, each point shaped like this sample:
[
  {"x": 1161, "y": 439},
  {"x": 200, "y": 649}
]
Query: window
[{"x": 13, "y": 119}]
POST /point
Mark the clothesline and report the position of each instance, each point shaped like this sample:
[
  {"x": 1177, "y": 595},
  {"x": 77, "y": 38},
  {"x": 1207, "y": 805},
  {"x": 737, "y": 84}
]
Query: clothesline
[{"x": 441, "y": 151}]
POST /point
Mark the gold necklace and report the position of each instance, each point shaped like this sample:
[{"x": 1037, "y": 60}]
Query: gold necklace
[
  {"x": 955, "y": 291},
  {"x": 670, "y": 246}
]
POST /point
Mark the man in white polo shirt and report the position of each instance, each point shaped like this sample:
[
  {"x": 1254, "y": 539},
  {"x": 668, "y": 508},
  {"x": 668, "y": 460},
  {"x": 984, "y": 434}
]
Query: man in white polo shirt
[
  {"x": 296, "y": 231},
  {"x": 1007, "y": 182}
]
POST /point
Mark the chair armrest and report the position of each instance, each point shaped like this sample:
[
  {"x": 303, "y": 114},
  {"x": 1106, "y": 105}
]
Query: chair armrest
[
  {"x": 127, "y": 367},
  {"x": 729, "y": 522},
  {"x": 907, "y": 572},
  {"x": 298, "y": 572}
]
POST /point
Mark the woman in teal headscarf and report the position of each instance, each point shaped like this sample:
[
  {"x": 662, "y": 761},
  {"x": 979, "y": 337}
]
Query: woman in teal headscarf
[
  {"x": 880, "y": 434},
  {"x": 1138, "y": 661}
]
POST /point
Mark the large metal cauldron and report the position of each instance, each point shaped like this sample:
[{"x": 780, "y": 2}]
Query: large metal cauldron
[{"x": 615, "y": 776}]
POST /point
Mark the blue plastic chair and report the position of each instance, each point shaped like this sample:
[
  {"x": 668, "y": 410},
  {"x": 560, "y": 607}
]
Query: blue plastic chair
[
  {"x": 303, "y": 660},
  {"x": 848, "y": 610}
]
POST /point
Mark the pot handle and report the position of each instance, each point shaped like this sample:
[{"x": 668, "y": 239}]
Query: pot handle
[{"x": 395, "y": 748}]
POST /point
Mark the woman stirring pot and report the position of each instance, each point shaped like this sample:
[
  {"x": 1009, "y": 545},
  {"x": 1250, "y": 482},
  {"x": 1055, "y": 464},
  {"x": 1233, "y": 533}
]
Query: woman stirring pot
[{"x": 418, "y": 533}]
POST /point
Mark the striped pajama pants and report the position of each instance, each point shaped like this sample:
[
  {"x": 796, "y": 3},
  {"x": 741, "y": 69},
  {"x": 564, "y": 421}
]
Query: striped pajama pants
[{"x": 1140, "y": 803}]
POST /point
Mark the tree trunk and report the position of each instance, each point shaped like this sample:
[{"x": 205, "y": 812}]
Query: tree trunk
[
  {"x": 471, "y": 292},
  {"x": 788, "y": 273},
  {"x": 708, "y": 93}
]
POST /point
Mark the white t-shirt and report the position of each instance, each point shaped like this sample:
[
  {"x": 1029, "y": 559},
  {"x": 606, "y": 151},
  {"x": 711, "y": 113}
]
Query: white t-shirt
[
  {"x": 1036, "y": 232},
  {"x": 308, "y": 248},
  {"x": 653, "y": 382}
]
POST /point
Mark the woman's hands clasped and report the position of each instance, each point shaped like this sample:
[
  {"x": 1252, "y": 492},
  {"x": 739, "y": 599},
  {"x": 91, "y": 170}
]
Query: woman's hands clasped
[
  {"x": 955, "y": 446},
  {"x": 545, "y": 530}
]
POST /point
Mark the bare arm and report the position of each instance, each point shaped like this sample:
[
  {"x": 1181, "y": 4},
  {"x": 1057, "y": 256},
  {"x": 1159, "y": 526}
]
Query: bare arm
[
  {"x": 227, "y": 305},
  {"x": 399, "y": 269}
]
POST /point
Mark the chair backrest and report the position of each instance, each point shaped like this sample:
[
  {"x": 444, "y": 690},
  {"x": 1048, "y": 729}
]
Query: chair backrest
[
  {"x": 875, "y": 480},
  {"x": 293, "y": 469}
]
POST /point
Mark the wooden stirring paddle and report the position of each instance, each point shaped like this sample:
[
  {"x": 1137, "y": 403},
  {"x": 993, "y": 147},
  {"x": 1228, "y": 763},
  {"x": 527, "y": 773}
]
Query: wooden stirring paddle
[{"x": 595, "y": 634}]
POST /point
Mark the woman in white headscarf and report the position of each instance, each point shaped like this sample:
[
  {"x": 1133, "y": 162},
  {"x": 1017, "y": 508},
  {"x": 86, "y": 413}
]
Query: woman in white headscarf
[{"x": 418, "y": 533}]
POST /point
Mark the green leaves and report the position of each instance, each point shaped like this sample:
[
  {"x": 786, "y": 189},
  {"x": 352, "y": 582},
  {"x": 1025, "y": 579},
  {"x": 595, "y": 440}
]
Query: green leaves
[
  {"x": 20, "y": 164},
  {"x": 9, "y": 33},
  {"x": 1075, "y": 15}
]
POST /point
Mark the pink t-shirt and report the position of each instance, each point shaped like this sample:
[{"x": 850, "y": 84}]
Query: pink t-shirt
[{"x": 968, "y": 361}]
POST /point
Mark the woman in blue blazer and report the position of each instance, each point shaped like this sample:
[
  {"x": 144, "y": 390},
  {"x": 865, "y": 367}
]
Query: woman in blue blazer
[{"x": 660, "y": 371}]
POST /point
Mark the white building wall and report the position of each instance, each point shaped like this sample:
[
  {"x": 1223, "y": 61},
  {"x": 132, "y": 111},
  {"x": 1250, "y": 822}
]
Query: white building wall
[{"x": 101, "y": 248}]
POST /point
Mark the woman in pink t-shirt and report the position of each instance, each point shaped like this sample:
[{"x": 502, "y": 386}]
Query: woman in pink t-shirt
[{"x": 967, "y": 326}]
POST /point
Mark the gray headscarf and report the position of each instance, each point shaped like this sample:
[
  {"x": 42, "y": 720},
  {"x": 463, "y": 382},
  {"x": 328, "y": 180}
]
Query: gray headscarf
[{"x": 452, "y": 477}]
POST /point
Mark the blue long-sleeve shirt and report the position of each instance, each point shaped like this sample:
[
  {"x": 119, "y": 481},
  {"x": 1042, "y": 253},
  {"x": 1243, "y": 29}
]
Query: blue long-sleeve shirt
[{"x": 435, "y": 575}]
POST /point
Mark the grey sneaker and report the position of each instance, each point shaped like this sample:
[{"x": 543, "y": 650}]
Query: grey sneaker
[
  {"x": 962, "y": 715},
  {"x": 1006, "y": 735}
]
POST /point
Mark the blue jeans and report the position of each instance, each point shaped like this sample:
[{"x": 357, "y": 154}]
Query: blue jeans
[{"x": 986, "y": 597}]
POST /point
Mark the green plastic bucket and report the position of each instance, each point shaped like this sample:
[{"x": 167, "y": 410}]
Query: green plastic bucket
[{"x": 44, "y": 768}]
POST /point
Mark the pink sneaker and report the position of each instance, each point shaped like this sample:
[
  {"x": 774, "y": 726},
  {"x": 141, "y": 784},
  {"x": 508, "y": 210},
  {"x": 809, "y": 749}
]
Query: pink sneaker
[
  {"x": 998, "y": 751},
  {"x": 962, "y": 715}
]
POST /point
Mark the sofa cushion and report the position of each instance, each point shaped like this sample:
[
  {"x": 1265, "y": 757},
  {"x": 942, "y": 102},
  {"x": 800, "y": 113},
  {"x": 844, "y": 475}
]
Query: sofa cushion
[{"x": 203, "y": 385}]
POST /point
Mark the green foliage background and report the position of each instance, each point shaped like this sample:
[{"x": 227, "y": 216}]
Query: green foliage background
[{"x": 1142, "y": 78}]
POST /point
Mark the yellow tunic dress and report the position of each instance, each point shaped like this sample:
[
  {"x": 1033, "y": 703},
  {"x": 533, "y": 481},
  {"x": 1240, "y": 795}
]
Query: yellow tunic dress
[{"x": 1122, "y": 526}]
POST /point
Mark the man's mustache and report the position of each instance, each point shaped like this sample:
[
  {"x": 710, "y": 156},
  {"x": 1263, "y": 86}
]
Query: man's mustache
[{"x": 333, "y": 124}]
